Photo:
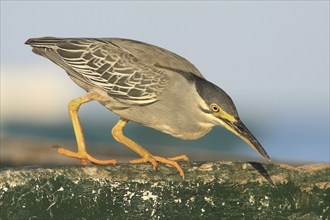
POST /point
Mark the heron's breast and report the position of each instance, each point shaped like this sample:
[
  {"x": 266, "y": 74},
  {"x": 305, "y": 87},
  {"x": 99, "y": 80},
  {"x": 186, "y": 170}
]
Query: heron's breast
[
  {"x": 190, "y": 134},
  {"x": 182, "y": 129}
]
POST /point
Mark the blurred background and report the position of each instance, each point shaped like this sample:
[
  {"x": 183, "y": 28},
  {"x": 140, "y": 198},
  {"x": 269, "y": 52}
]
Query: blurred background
[{"x": 271, "y": 57}]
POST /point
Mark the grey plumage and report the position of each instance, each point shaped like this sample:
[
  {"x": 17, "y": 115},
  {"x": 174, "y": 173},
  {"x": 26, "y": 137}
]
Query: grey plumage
[
  {"x": 125, "y": 69},
  {"x": 213, "y": 94},
  {"x": 146, "y": 84}
]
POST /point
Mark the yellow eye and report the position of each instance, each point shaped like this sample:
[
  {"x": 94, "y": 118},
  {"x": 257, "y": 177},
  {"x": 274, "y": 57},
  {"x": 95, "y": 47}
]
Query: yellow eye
[{"x": 215, "y": 108}]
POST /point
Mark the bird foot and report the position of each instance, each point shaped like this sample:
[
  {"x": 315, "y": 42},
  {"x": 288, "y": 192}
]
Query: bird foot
[
  {"x": 172, "y": 161},
  {"x": 83, "y": 156}
]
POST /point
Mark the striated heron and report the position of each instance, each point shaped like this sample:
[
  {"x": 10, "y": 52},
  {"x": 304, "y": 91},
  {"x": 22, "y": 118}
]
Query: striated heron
[{"x": 142, "y": 83}]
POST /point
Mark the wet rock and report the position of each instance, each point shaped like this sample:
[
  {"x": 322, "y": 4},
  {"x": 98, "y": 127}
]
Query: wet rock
[{"x": 210, "y": 190}]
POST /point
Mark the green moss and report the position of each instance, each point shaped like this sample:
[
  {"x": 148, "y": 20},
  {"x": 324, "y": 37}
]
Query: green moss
[{"x": 224, "y": 191}]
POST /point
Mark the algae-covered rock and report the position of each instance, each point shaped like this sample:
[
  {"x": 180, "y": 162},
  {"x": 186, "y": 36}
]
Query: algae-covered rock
[{"x": 210, "y": 190}]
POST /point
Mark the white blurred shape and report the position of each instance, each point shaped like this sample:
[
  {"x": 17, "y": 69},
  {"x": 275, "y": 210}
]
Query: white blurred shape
[{"x": 35, "y": 93}]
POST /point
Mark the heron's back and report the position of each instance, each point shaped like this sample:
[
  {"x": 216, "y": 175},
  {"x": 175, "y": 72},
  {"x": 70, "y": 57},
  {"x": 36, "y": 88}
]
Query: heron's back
[{"x": 126, "y": 69}]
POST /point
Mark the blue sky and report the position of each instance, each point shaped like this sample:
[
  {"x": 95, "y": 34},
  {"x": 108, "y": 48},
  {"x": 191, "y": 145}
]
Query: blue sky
[{"x": 271, "y": 57}]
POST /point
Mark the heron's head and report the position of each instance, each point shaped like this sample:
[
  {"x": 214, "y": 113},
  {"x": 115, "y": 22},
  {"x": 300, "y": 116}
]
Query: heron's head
[{"x": 221, "y": 110}]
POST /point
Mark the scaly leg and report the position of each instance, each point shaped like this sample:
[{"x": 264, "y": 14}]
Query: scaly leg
[
  {"x": 82, "y": 151},
  {"x": 117, "y": 133}
]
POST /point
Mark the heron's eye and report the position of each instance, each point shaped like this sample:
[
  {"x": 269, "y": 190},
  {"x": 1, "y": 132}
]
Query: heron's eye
[{"x": 215, "y": 108}]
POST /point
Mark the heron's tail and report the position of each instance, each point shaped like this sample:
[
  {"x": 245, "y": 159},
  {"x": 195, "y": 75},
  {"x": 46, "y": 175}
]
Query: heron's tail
[{"x": 43, "y": 41}]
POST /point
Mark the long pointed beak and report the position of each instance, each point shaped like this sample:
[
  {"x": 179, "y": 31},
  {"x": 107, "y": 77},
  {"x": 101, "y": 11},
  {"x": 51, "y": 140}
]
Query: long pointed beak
[{"x": 238, "y": 128}]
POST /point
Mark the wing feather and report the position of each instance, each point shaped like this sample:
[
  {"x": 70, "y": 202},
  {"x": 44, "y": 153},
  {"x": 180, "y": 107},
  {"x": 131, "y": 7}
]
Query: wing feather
[
  {"x": 102, "y": 64},
  {"x": 126, "y": 69}
]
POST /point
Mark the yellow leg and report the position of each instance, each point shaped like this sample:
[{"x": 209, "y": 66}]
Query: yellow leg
[
  {"x": 117, "y": 133},
  {"x": 82, "y": 154}
]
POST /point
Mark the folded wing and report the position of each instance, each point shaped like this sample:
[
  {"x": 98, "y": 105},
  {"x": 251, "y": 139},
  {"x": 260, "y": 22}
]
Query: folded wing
[{"x": 105, "y": 65}]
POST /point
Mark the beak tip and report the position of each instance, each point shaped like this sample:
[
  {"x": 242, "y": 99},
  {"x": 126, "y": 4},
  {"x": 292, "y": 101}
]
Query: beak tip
[
  {"x": 238, "y": 128},
  {"x": 264, "y": 154},
  {"x": 267, "y": 158}
]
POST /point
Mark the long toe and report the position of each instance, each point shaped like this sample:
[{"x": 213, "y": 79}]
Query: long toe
[
  {"x": 170, "y": 161},
  {"x": 173, "y": 163},
  {"x": 82, "y": 156},
  {"x": 181, "y": 157},
  {"x": 147, "y": 159},
  {"x": 97, "y": 161}
]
